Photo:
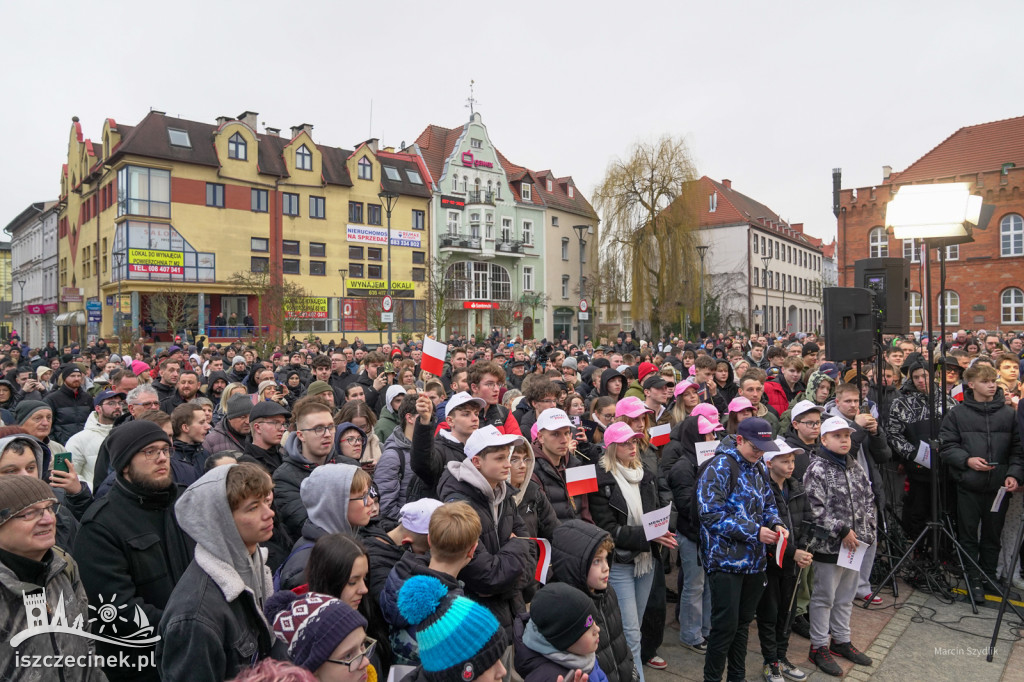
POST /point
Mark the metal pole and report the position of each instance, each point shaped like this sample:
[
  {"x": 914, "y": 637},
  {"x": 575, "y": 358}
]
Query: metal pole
[
  {"x": 583, "y": 245},
  {"x": 21, "y": 313},
  {"x": 390, "y": 199},
  {"x": 766, "y": 260},
  {"x": 702, "y": 251}
]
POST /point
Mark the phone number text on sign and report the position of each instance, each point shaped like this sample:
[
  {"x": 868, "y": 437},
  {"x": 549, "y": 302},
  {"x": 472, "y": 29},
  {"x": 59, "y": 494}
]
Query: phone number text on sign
[{"x": 157, "y": 269}]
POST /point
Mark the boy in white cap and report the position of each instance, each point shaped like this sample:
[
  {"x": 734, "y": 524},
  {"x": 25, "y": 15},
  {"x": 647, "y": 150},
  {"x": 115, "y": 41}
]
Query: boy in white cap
[
  {"x": 431, "y": 453},
  {"x": 841, "y": 500}
]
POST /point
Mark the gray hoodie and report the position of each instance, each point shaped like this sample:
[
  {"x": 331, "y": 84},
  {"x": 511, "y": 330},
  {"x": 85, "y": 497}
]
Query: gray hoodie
[
  {"x": 325, "y": 493},
  {"x": 465, "y": 472}
]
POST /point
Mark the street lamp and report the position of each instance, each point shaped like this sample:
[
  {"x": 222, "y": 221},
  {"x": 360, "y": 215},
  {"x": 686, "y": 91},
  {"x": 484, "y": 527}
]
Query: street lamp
[
  {"x": 580, "y": 231},
  {"x": 767, "y": 261},
  {"x": 702, "y": 251},
  {"x": 390, "y": 199},
  {"x": 118, "y": 258},
  {"x": 344, "y": 273}
]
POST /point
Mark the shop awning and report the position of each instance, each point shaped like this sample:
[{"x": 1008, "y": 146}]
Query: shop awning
[{"x": 72, "y": 318}]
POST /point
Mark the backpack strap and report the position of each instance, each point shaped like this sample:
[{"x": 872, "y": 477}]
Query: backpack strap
[{"x": 296, "y": 550}]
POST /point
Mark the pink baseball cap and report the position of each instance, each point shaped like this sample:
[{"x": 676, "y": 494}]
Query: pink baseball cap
[
  {"x": 619, "y": 433},
  {"x": 631, "y": 407},
  {"x": 739, "y": 404},
  {"x": 706, "y": 410},
  {"x": 683, "y": 386},
  {"x": 706, "y": 426}
]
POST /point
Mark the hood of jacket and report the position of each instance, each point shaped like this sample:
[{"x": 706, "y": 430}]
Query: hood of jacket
[
  {"x": 467, "y": 474},
  {"x": 573, "y": 546},
  {"x": 972, "y": 403},
  {"x": 203, "y": 512},
  {"x": 817, "y": 376},
  {"x": 732, "y": 374},
  {"x": 219, "y": 374},
  {"x": 342, "y": 428},
  {"x": 291, "y": 446},
  {"x": 520, "y": 492},
  {"x": 325, "y": 494},
  {"x": 41, "y": 453},
  {"x": 93, "y": 424},
  {"x": 394, "y": 390},
  {"x": 606, "y": 377}
]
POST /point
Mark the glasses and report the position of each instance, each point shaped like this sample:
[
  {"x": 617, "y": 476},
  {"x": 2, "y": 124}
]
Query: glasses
[
  {"x": 281, "y": 426},
  {"x": 811, "y": 424},
  {"x": 354, "y": 440},
  {"x": 149, "y": 404},
  {"x": 356, "y": 661},
  {"x": 367, "y": 499},
  {"x": 155, "y": 453},
  {"x": 33, "y": 515},
  {"x": 546, "y": 401},
  {"x": 319, "y": 431},
  {"x": 521, "y": 461},
  {"x": 489, "y": 384},
  {"x": 112, "y": 403}
]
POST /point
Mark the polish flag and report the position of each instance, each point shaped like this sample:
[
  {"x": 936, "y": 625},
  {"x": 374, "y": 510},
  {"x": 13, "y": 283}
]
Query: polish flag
[
  {"x": 581, "y": 480},
  {"x": 780, "y": 550},
  {"x": 434, "y": 353},
  {"x": 543, "y": 560},
  {"x": 957, "y": 393},
  {"x": 659, "y": 434}
]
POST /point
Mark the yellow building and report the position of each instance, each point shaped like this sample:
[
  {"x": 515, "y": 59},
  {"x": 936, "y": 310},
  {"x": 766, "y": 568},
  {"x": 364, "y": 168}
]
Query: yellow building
[
  {"x": 5, "y": 290},
  {"x": 198, "y": 226}
]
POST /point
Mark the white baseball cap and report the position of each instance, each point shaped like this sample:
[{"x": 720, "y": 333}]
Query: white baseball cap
[
  {"x": 553, "y": 419},
  {"x": 415, "y": 516},
  {"x": 488, "y": 437},
  {"x": 784, "y": 449},
  {"x": 805, "y": 406},
  {"x": 835, "y": 424},
  {"x": 460, "y": 399}
]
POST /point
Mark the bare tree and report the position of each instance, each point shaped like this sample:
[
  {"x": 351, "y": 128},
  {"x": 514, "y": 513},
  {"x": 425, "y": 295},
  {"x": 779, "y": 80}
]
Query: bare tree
[
  {"x": 440, "y": 295},
  {"x": 176, "y": 307},
  {"x": 276, "y": 304},
  {"x": 648, "y": 204}
]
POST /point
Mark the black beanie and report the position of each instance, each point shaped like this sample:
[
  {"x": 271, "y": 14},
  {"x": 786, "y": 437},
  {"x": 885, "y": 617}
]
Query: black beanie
[
  {"x": 69, "y": 369},
  {"x": 562, "y": 614},
  {"x": 128, "y": 438}
]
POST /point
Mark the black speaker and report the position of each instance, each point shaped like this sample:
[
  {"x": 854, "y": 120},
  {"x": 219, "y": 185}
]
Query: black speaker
[
  {"x": 889, "y": 281},
  {"x": 849, "y": 323}
]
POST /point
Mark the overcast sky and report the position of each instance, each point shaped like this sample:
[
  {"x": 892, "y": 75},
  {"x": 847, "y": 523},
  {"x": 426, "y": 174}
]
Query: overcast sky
[{"x": 772, "y": 95}]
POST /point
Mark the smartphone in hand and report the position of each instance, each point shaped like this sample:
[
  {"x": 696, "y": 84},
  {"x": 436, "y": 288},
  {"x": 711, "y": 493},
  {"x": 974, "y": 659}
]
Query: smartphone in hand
[{"x": 60, "y": 461}]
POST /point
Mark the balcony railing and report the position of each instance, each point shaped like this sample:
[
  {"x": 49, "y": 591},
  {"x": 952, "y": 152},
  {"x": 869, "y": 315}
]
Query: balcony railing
[
  {"x": 480, "y": 197},
  {"x": 460, "y": 241}
]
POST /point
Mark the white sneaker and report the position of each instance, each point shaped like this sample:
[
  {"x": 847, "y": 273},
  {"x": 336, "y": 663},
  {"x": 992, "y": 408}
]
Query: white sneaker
[
  {"x": 1018, "y": 581},
  {"x": 771, "y": 673},
  {"x": 791, "y": 672}
]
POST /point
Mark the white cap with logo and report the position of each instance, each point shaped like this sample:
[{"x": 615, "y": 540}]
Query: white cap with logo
[
  {"x": 553, "y": 419},
  {"x": 835, "y": 424},
  {"x": 488, "y": 437}
]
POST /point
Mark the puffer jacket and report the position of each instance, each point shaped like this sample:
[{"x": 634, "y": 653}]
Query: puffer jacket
[
  {"x": 682, "y": 476},
  {"x": 542, "y": 666},
  {"x": 840, "y": 499},
  {"x": 794, "y": 510},
  {"x": 501, "y": 418},
  {"x": 428, "y": 458},
  {"x": 392, "y": 473},
  {"x": 221, "y": 437},
  {"x": 572, "y": 551},
  {"x": 551, "y": 480},
  {"x": 989, "y": 430},
  {"x": 71, "y": 409},
  {"x": 731, "y": 520},
  {"x": 84, "y": 446},
  {"x": 610, "y": 512},
  {"x": 908, "y": 424},
  {"x": 66, "y": 604},
  {"x": 403, "y": 635}
]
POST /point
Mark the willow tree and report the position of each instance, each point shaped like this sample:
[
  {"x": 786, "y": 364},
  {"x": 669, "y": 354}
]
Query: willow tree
[{"x": 649, "y": 217}]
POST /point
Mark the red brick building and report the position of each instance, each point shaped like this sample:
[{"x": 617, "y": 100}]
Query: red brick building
[{"x": 984, "y": 278}]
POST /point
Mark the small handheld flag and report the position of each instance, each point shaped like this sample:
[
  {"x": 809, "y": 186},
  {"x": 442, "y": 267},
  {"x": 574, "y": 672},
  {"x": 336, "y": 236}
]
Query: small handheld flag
[
  {"x": 581, "y": 480},
  {"x": 434, "y": 353},
  {"x": 659, "y": 434}
]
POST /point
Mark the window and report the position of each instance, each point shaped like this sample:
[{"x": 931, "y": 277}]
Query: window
[
  {"x": 374, "y": 272},
  {"x": 762, "y": 246},
  {"x": 478, "y": 281},
  {"x": 712, "y": 202},
  {"x": 355, "y": 253},
  {"x": 953, "y": 252},
  {"x": 214, "y": 195},
  {"x": 365, "y": 169},
  {"x": 453, "y": 223},
  {"x": 755, "y": 243},
  {"x": 528, "y": 278},
  {"x": 259, "y": 244},
  {"x": 290, "y": 266},
  {"x": 373, "y": 214},
  {"x": 418, "y": 220},
  {"x": 419, "y": 275},
  {"x": 506, "y": 229},
  {"x": 565, "y": 286},
  {"x": 1011, "y": 234},
  {"x": 554, "y": 221},
  {"x": 565, "y": 248},
  {"x": 144, "y": 191},
  {"x": 1012, "y": 303},
  {"x": 355, "y": 270},
  {"x": 527, "y": 192},
  {"x": 414, "y": 177},
  {"x": 912, "y": 250},
  {"x": 317, "y": 207},
  {"x": 373, "y": 253},
  {"x": 355, "y": 212},
  {"x": 392, "y": 173},
  {"x": 290, "y": 204},
  {"x": 303, "y": 158},
  {"x": 757, "y": 275},
  {"x": 179, "y": 138},
  {"x": 528, "y": 232},
  {"x": 489, "y": 225},
  {"x": 259, "y": 200},
  {"x": 318, "y": 249},
  {"x": 878, "y": 243},
  {"x": 551, "y": 185},
  {"x": 952, "y": 307},
  {"x": 915, "y": 309},
  {"x": 476, "y": 143},
  {"x": 318, "y": 267},
  {"x": 572, "y": 192},
  {"x": 237, "y": 147},
  {"x": 291, "y": 247},
  {"x": 419, "y": 257},
  {"x": 259, "y": 264}
]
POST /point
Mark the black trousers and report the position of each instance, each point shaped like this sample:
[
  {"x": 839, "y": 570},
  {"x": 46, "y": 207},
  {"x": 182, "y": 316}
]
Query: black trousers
[
  {"x": 917, "y": 507},
  {"x": 734, "y": 599},
  {"x": 652, "y": 627},
  {"x": 972, "y": 509},
  {"x": 772, "y": 614}
]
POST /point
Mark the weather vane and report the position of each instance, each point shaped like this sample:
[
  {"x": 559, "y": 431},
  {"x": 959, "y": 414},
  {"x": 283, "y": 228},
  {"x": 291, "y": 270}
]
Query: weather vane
[{"x": 470, "y": 101}]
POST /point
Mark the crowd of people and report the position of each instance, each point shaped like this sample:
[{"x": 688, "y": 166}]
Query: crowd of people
[{"x": 334, "y": 512}]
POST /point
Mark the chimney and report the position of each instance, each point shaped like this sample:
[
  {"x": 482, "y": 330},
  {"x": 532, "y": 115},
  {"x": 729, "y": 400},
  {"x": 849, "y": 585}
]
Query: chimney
[
  {"x": 372, "y": 144},
  {"x": 276, "y": 132},
  {"x": 221, "y": 120},
  {"x": 728, "y": 183},
  {"x": 389, "y": 149},
  {"x": 837, "y": 181},
  {"x": 303, "y": 127},
  {"x": 249, "y": 119},
  {"x": 886, "y": 172},
  {"x": 798, "y": 227}
]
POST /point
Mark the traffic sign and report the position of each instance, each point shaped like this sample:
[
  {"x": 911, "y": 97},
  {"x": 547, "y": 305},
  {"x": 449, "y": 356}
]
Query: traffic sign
[
  {"x": 387, "y": 318},
  {"x": 387, "y": 304},
  {"x": 584, "y": 316},
  {"x": 584, "y": 306}
]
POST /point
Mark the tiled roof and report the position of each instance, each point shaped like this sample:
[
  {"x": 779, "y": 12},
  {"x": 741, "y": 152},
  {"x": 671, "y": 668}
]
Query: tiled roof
[
  {"x": 437, "y": 144},
  {"x": 149, "y": 138},
  {"x": 335, "y": 165},
  {"x": 735, "y": 207},
  {"x": 403, "y": 163},
  {"x": 829, "y": 250},
  {"x": 970, "y": 150}
]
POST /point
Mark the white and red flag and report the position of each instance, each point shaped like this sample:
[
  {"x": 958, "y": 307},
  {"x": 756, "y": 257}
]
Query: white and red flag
[
  {"x": 581, "y": 480},
  {"x": 434, "y": 353},
  {"x": 659, "y": 434}
]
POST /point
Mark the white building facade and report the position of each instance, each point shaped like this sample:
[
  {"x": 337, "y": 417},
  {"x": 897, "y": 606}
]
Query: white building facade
[{"x": 34, "y": 273}]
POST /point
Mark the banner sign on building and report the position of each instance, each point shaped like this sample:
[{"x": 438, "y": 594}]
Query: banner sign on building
[
  {"x": 71, "y": 295},
  {"x": 362, "y": 234},
  {"x": 379, "y": 287},
  {"x": 309, "y": 308},
  {"x": 161, "y": 262},
  {"x": 480, "y": 305},
  {"x": 452, "y": 202},
  {"x": 41, "y": 309}
]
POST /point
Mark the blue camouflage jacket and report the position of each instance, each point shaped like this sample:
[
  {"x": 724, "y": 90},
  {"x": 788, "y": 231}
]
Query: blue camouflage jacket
[{"x": 731, "y": 520}]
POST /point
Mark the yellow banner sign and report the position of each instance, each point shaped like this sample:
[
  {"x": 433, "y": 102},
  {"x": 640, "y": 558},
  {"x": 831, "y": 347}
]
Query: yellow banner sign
[
  {"x": 151, "y": 257},
  {"x": 396, "y": 284},
  {"x": 307, "y": 308}
]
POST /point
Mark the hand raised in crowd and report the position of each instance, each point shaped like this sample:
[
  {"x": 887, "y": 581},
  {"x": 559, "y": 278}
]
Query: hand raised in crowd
[
  {"x": 425, "y": 409},
  {"x": 68, "y": 480}
]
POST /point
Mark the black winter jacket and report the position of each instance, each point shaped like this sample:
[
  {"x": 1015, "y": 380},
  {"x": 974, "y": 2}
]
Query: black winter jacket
[
  {"x": 794, "y": 510},
  {"x": 428, "y": 458},
  {"x": 70, "y": 409},
  {"x": 682, "y": 477},
  {"x": 188, "y": 462},
  {"x": 908, "y": 424},
  {"x": 572, "y": 551},
  {"x": 987, "y": 430},
  {"x": 609, "y": 511},
  {"x": 537, "y": 512},
  {"x": 801, "y": 461},
  {"x": 551, "y": 480}
]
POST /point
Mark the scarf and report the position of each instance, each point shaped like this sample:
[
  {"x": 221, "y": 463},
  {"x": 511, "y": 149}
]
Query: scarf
[
  {"x": 535, "y": 641},
  {"x": 629, "y": 484}
]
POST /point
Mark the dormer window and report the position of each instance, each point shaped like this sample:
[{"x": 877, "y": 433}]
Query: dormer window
[
  {"x": 572, "y": 192},
  {"x": 551, "y": 185},
  {"x": 365, "y": 169},
  {"x": 179, "y": 138},
  {"x": 527, "y": 192},
  {"x": 237, "y": 147},
  {"x": 303, "y": 158}
]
